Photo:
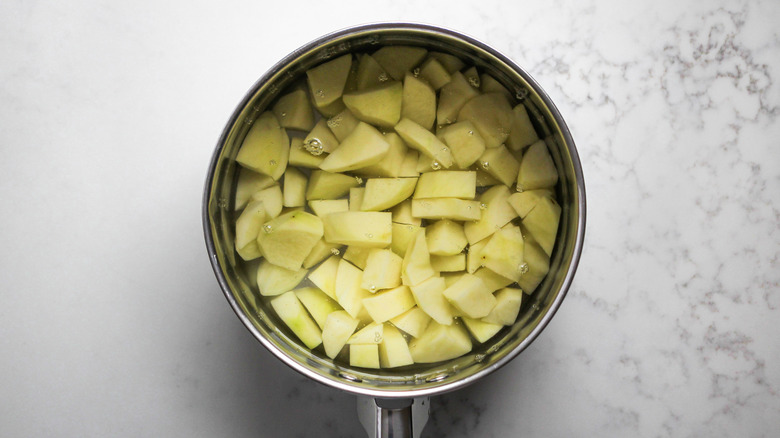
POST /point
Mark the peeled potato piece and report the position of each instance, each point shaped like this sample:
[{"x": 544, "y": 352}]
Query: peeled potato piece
[{"x": 266, "y": 147}]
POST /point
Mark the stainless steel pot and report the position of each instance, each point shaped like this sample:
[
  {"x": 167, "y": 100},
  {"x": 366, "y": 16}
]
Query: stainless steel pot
[{"x": 394, "y": 403}]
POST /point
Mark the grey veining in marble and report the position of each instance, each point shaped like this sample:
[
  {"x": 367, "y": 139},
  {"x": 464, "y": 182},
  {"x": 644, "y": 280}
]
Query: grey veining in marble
[{"x": 112, "y": 323}]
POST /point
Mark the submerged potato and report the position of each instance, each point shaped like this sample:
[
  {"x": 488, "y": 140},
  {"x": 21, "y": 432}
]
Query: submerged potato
[{"x": 417, "y": 208}]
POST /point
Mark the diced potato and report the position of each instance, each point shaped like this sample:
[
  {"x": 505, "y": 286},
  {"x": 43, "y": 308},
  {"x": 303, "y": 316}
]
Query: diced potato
[
  {"x": 496, "y": 214},
  {"x": 338, "y": 328},
  {"x": 294, "y": 193},
  {"x": 320, "y": 252},
  {"x": 342, "y": 124},
  {"x": 292, "y": 313},
  {"x": 327, "y": 81},
  {"x": 391, "y": 165},
  {"x": 299, "y": 156},
  {"x": 248, "y": 226},
  {"x": 326, "y": 141},
  {"x": 504, "y": 252},
  {"x": 286, "y": 240},
  {"x": 416, "y": 266},
  {"x": 440, "y": 342},
  {"x": 472, "y": 76},
  {"x": 360, "y": 228},
  {"x": 321, "y": 207},
  {"x": 447, "y": 184},
  {"x": 386, "y": 305},
  {"x": 249, "y": 182},
  {"x": 432, "y": 71},
  {"x": 450, "y": 62},
  {"x": 317, "y": 303},
  {"x": 394, "y": 351},
  {"x": 413, "y": 322},
  {"x": 349, "y": 294},
  {"x": 383, "y": 193},
  {"x": 449, "y": 263},
  {"x": 364, "y": 355},
  {"x": 508, "y": 302},
  {"x": 402, "y": 235},
  {"x": 538, "y": 264},
  {"x": 369, "y": 73},
  {"x": 363, "y": 147},
  {"x": 382, "y": 270},
  {"x": 358, "y": 256},
  {"x": 537, "y": 169},
  {"x": 409, "y": 165},
  {"x": 380, "y": 106},
  {"x": 488, "y": 84},
  {"x": 470, "y": 296},
  {"x": 273, "y": 280},
  {"x": 419, "y": 101},
  {"x": 465, "y": 142},
  {"x": 324, "y": 276},
  {"x": 492, "y": 280},
  {"x": 446, "y": 208},
  {"x": 542, "y": 223},
  {"x": 327, "y": 185},
  {"x": 272, "y": 200},
  {"x": 474, "y": 257},
  {"x": 452, "y": 97},
  {"x": 522, "y": 132},
  {"x": 491, "y": 114},
  {"x": 356, "y": 195},
  {"x": 424, "y": 141},
  {"x": 500, "y": 164},
  {"x": 294, "y": 111},
  {"x": 524, "y": 202},
  {"x": 266, "y": 147},
  {"x": 429, "y": 297},
  {"x": 397, "y": 60},
  {"x": 402, "y": 214},
  {"x": 445, "y": 238},
  {"x": 370, "y": 334},
  {"x": 480, "y": 329}
]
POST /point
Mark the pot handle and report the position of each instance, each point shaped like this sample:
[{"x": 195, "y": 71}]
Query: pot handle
[{"x": 393, "y": 418}]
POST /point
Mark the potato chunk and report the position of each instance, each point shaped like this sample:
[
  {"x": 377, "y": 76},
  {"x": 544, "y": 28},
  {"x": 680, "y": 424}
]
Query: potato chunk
[{"x": 360, "y": 228}]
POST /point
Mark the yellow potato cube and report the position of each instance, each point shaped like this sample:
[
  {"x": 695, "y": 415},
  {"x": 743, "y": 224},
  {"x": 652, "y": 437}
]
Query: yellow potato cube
[
  {"x": 363, "y": 147},
  {"x": 292, "y": 313},
  {"x": 380, "y": 106},
  {"x": 413, "y": 322},
  {"x": 429, "y": 297},
  {"x": 386, "y": 305},
  {"x": 382, "y": 270},
  {"x": 338, "y": 328},
  {"x": 440, "y": 342},
  {"x": 445, "y": 238},
  {"x": 503, "y": 254},
  {"x": 394, "y": 351},
  {"x": 537, "y": 169},
  {"x": 360, "y": 228},
  {"x": 447, "y": 184},
  {"x": 266, "y": 147},
  {"x": 364, "y": 355},
  {"x": 470, "y": 296},
  {"x": 446, "y": 208}
]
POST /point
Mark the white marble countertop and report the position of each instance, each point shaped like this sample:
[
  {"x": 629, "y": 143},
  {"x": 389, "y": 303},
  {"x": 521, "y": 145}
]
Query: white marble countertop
[{"x": 112, "y": 322}]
